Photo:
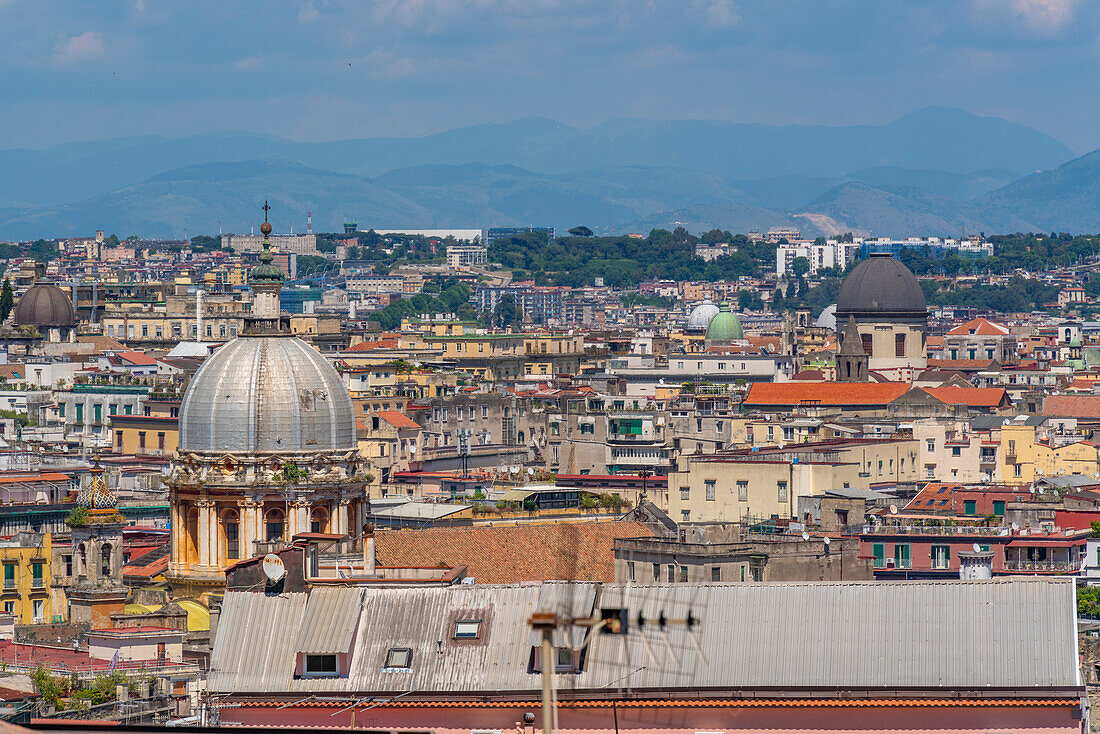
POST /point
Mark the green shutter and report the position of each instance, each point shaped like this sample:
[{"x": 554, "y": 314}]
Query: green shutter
[
  {"x": 998, "y": 507},
  {"x": 879, "y": 552}
]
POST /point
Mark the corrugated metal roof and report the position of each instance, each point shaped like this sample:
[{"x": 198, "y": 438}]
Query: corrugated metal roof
[
  {"x": 1014, "y": 633},
  {"x": 329, "y": 620}
]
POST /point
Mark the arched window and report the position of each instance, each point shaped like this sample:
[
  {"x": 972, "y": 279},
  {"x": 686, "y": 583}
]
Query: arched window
[
  {"x": 82, "y": 561},
  {"x": 275, "y": 525},
  {"x": 231, "y": 535},
  {"x": 105, "y": 560}
]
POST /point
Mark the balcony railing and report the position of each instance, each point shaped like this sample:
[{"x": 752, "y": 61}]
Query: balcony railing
[
  {"x": 931, "y": 530},
  {"x": 1041, "y": 566},
  {"x": 38, "y": 583}
]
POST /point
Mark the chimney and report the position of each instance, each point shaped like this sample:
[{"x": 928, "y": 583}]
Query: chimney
[
  {"x": 368, "y": 550},
  {"x": 976, "y": 565}
]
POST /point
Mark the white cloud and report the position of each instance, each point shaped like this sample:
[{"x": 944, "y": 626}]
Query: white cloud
[
  {"x": 88, "y": 46},
  {"x": 1046, "y": 15},
  {"x": 250, "y": 63},
  {"x": 309, "y": 13},
  {"x": 1040, "y": 16},
  {"x": 382, "y": 64},
  {"x": 721, "y": 13}
]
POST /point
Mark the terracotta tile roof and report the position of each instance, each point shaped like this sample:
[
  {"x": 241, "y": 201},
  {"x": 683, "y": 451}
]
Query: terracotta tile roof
[
  {"x": 810, "y": 375},
  {"x": 979, "y": 327},
  {"x": 368, "y": 346},
  {"x": 1072, "y": 406},
  {"x": 397, "y": 419},
  {"x": 974, "y": 397},
  {"x": 824, "y": 393},
  {"x": 934, "y": 341},
  {"x": 137, "y": 358},
  {"x": 509, "y": 554},
  {"x": 101, "y": 343}
]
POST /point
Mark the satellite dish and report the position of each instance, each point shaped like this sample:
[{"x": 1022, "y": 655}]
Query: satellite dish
[
  {"x": 1015, "y": 527},
  {"x": 1040, "y": 490},
  {"x": 893, "y": 509},
  {"x": 805, "y": 535},
  {"x": 515, "y": 470},
  {"x": 977, "y": 548},
  {"x": 826, "y": 540},
  {"x": 412, "y": 449},
  {"x": 530, "y": 472},
  {"x": 274, "y": 568}
]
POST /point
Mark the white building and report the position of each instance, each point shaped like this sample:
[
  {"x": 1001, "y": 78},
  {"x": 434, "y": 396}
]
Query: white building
[
  {"x": 466, "y": 256},
  {"x": 299, "y": 244},
  {"x": 832, "y": 254}
]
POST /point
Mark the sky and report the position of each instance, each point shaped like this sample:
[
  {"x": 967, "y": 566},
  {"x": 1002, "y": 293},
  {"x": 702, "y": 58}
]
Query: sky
[{"x": 328, "y": 70}]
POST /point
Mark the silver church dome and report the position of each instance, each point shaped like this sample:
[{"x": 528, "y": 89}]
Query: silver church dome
[
  {"x": 700, "y": 316},
  {"x": 259, "y": 394}
]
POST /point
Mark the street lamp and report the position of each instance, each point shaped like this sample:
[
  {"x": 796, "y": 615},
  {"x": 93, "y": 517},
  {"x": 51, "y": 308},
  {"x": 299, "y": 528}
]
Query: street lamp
[{"x": 644, "y": 474}]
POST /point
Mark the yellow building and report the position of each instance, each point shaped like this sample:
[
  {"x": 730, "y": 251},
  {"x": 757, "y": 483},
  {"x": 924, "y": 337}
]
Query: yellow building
[
  {"x": 27, "y": 590},
  {"x": 1023, "y": 458},
  {"x": 145, "y": 435}
]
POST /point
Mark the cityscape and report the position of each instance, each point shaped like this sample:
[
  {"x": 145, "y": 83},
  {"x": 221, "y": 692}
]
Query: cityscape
[{"x": 363, "y": 369}]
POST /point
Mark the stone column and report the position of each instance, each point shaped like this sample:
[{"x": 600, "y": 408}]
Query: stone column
[
  {"x": 247, "y": 511},
  {"x": 205, "y": 513},
  {"x": 174, "y": 516},
  {"x": 301, "y": 510},
  {"x": 340, "y": 524}
]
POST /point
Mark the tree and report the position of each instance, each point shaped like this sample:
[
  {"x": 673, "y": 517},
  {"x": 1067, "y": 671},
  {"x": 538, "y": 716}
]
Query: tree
[
  {"x": 800, "y": 266},
  {"x": 111, "y": 241},
  {"x": 581, "y": 231},
  {"x": 507, "y": 313},
  {"x": 7, "y": 300}
]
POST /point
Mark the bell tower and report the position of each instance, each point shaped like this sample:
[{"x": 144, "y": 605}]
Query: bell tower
[{"x": 851, "y": 360}]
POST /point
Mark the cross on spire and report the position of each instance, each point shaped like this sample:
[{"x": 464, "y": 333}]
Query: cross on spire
[{"x": 266, "y": 209}]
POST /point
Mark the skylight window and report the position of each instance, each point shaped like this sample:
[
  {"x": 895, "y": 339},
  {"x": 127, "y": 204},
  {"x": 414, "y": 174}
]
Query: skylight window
[
  {"x": 399, "y": 658},
  {"x": 467, "y": 629}
]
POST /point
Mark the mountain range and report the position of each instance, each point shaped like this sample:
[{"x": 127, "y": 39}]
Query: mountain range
[{"x": 937, "y": 171}]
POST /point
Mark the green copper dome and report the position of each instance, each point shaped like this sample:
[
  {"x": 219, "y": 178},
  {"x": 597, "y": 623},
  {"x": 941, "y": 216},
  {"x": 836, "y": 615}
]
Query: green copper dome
[
  {"x": 724, "y": 326},
  {"x": 267, "y": 271}
]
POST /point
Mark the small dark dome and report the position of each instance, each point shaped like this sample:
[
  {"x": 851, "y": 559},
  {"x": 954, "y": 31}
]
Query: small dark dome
[
  {"x": 881, "y": 286},
  {"x": 44, "y": 304}
]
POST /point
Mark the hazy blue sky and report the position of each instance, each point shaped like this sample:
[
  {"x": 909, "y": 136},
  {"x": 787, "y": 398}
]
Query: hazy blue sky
[{"x": 326, "y": 70}]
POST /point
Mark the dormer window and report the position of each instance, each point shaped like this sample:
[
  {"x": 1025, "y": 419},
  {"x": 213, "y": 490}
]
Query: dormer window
[{"x": 320, "y": 666}]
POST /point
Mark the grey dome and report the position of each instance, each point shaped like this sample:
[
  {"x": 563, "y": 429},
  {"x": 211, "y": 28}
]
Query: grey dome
[
  {"x": 701, "y": 315},
  {"x": 827, "y": 318},
  {"x": 44, "y": 304},
  {"x": 881, "y": 286},
  {"x": 258, "y": 394}
]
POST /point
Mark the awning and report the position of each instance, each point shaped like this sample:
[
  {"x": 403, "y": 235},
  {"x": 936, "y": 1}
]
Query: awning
[{"x": 1035, "y": 543}]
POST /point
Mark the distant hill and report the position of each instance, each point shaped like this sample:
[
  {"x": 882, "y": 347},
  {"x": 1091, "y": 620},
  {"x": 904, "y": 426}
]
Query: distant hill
[
  {"x": 934, "y": 172},
  {"x": 1066, "y": 199}
]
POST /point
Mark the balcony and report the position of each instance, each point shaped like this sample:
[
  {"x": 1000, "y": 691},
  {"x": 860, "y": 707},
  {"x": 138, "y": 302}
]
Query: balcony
[
  {"x": 978, "y": 530},
  {"x": 1042, "y": 566},
  {"x": 38, "y": 583}
]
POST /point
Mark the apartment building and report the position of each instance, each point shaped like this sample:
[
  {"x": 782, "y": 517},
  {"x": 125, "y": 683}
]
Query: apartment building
[{"x": 760, "y": 483}]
